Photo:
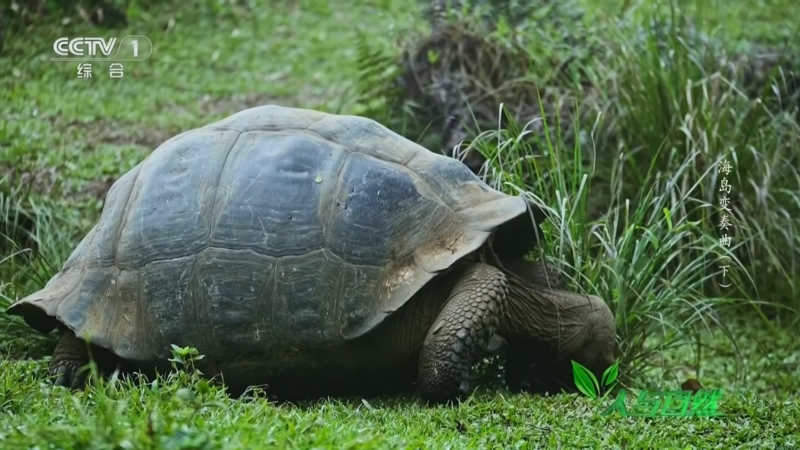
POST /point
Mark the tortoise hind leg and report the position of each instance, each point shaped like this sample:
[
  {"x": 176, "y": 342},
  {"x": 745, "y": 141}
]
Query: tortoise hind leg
[
  {"x": 70, "y": 360},
  {"x": 462, "y": 334}
]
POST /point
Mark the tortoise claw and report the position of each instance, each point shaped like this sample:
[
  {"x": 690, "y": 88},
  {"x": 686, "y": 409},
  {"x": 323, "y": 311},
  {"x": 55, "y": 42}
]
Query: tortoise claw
[
  {"x": 68, "y": 362},
  {"x": 69, "y": 375},
  {"x": 61, "y": 376},
  {"x": 78, "y": 380}
]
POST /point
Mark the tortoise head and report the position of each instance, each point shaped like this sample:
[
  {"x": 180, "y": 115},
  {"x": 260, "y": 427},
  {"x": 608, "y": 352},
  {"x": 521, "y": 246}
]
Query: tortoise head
[
  {"x": 547, "y": 328},
  {"x": 598, "y": 350}
]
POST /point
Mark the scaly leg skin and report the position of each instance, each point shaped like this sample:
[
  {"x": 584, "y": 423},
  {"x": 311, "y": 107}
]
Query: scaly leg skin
[
  {"x": 69, "y": 360},
  {"x": 462, "y": 334}
]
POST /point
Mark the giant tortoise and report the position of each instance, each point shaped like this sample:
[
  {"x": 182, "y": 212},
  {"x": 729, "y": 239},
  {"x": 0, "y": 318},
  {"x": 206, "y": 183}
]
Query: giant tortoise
[{"x": 316, "y": 254}]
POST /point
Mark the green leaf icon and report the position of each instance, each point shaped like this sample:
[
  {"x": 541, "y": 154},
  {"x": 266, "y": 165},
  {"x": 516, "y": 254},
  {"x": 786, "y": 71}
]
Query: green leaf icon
[
  {"x": 585, "y": 380},
  {"x": 610, "y": 376}
]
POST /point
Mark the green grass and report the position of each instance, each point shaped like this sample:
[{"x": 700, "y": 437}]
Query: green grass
[
  {"x": 634, "y": 217},
  {"x": 181, "y": 411}
]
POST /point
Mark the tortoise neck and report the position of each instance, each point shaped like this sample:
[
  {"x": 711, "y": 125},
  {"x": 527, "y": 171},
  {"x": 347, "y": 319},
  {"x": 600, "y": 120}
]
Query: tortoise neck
[{"x": 525, "y": 316}]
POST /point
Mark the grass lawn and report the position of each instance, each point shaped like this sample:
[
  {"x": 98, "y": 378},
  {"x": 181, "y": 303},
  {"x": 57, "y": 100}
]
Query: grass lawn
[{"x": 67, "y": 138}]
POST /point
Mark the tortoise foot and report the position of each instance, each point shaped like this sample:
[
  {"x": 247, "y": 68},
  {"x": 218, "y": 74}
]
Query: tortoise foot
[{"x": 69, "y": 361}]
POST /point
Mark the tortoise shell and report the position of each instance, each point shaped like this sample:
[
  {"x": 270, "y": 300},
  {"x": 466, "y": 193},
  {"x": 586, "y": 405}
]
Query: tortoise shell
[{"x": 273, "y": 226}]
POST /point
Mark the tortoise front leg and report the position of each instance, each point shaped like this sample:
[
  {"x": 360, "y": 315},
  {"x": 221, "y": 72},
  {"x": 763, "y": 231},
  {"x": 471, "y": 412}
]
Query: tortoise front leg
[
  {"x": 462, "y": 334},
  {"x": 69, "y": 361}
]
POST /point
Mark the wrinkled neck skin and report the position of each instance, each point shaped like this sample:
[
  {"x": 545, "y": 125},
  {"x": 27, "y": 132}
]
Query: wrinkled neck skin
[{"x": 569, "y": 325}]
